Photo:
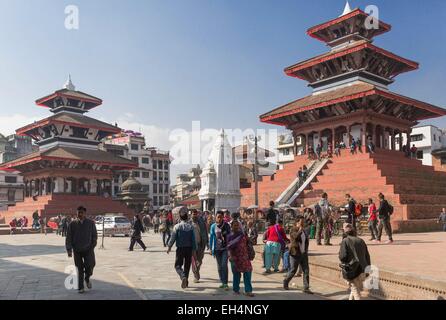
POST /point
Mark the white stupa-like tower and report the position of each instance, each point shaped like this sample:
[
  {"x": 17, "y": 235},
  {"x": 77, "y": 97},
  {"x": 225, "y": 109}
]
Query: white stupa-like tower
[{"x": 220, "y": 180}]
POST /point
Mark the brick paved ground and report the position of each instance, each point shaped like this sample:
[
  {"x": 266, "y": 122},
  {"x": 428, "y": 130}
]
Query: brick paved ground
[
  {"x": 32, "y": 267},
  {"x": 419, "y": 254}
]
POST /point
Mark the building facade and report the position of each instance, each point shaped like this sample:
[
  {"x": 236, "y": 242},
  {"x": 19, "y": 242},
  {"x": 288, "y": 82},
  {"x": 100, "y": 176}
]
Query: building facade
[
  {"x": 187, "y": 185},
  {"x": 152, "y": 169},
  {"x": 286, "y": 148},
  {"x": 11, "y": 188},
  {"x": 14, "y": 146},
  {"x": 426, "y": 139}
]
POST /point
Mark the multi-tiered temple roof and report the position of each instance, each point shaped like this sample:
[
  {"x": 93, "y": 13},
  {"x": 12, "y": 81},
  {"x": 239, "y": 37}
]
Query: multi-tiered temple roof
[{"x": 352, "y": 77}]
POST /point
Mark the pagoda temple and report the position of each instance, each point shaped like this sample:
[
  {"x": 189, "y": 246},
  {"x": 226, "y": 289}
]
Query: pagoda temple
[
  {"x": 68, "y": 170},
  {"x": 351, "y": 99}
]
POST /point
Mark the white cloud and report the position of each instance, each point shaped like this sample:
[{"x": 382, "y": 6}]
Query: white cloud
[{"x": 9, "y": 124}]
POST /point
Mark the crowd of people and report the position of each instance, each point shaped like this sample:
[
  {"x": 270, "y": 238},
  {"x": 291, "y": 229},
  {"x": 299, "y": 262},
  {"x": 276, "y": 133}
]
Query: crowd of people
[{"x": 231, "y": 239}]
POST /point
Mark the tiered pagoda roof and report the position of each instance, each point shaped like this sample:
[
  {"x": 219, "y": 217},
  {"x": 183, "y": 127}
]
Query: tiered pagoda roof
[
  {"x": 353, "y": 76},
  {"x": 69, "y": 136}
]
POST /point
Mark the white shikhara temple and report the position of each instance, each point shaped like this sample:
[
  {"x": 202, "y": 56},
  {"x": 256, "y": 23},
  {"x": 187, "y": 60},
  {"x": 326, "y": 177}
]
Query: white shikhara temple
[{"x": 220, "y": 180}]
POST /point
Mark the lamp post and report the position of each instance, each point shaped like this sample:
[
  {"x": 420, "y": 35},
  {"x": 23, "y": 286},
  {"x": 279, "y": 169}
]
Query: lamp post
[
  {"x": 103, "y": 233},
  {"x": 256, "y": 140}
]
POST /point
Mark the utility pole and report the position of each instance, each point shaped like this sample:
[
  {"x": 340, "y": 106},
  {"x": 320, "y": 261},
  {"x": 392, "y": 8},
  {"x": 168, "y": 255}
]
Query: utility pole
[{"x": 256, "y": 171}]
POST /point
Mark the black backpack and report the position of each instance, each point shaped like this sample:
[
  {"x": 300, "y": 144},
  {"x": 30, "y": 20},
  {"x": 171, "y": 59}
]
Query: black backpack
[{"x": 390, "y": 208}]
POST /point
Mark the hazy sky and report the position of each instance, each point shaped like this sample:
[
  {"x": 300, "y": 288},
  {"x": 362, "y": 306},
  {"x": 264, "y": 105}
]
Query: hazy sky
[{"x": 160, "y": 64}]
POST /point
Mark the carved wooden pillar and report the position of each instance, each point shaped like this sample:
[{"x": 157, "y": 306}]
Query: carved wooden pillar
[{"x": 400, "y": 144}]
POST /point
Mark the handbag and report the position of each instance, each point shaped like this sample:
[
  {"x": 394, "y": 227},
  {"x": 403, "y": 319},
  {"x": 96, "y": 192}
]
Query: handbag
[{"x": 251, "y": 251}]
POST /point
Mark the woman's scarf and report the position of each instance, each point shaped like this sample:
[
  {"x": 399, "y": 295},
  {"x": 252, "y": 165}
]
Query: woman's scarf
[{"x": 234, "y": 239}]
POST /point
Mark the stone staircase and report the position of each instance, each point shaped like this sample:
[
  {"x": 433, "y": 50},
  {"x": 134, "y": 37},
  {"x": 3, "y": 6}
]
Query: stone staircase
[
  {"x": 53, "y": 205},
  {"x": 417, "y": 192}
]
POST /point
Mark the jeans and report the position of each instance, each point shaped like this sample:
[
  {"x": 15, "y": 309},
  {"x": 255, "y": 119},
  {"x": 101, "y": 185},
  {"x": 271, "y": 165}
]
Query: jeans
[
  {"x": 322, "y": 227},
  {"x": 236, "y": 280},
  {"x": 295, "y": 262},
  {"x": 272, "y": 255},
  {"x": 286, "y": 260},
  {"x": 373, "y": 229},
  {"x": 385, "y": 223},
  {"x": 84, "y": 262},
  {"x": 183, "y": 261},
  {"x": 166, "y": 233},
  {"x": 222, "y": 264}
]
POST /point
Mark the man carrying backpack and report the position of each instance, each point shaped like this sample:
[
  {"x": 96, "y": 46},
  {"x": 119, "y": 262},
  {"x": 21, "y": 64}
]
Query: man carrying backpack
[
  {"x": 354, "y": 210},
  {"x": 385, "y": 210}
]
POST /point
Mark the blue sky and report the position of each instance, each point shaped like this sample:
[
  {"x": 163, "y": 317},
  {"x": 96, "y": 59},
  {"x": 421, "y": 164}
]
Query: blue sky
[{"x": 165, "y": 63}]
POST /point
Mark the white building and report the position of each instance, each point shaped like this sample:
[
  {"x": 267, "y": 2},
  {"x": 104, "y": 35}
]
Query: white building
[
  {"x": 427, "y": 139},
  {"x": 153, "y": 170},
  {"x": 285, "y": 148},
  {"x": 220, "y": 180},
  {"x": 11, "y": 188}
]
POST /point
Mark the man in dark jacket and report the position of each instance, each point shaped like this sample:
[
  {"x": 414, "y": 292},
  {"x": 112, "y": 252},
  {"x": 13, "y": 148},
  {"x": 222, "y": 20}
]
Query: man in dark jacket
[
  {"x": 299, "y": 255},
  {"x": 138, "y": 229},
  {"x": 354, "y": 252},
  {"x": 82, "y": 239},
  {"x": 384, "y": 212},
  {"x": 351, "y": 210},
  {"x": 183, "y": 235}
]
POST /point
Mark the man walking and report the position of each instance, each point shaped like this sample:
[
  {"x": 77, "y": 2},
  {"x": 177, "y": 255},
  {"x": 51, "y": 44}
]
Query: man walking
[
  {"x": 183, "y": 235},
  {"x": 372, "y": 220},
  {"x": 82, "y": 239},
  {"x": 351, "y": 210},
  {"x": 201, "y": 240},
  {"x": 271, "y": 215},
  {"x": 355, "y": 259},
  {"x": 220, "y": 231},
  {"x": 442, "y": 219},
  {"x": 323, "y": 209},
  {"x": 299, "y": 255},
  {"x": 385, "y": 210},
  {"x": 138, "y": 229}
]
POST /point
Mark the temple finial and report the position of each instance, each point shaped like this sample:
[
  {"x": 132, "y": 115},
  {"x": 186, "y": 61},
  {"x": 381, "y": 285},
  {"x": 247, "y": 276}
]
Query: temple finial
[
  {"x": 69, "y": 84},
  {"x": 347, "y": 9}
]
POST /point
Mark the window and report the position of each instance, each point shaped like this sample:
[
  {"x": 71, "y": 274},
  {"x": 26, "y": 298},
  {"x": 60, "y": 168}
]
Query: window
[
  {"x": 145, "y": 174},
  {"x": 417, "y": 137},
  {"x": 154, "y": 164},
  {"x": 286, "y": 152},
  {"x": 155, "y": 201},
  {"x": 443, "y": 160},
  {"x": 155, "y": 176},
  {"x": 136, "y": 174},
  {"x": 160, "y": 190},
  {"x": 9, "y": 179},
  {"x": 134, "y": 146},
  {"x": 166, "y": 165},
  {"x": 145, "y": 160},
  {"x": 135, "y": 159},
  {"x": 11, "y": 195},
  {"x": 160, "y": 164},
  {"x": 166, "y": 188},
  {"x": 435, "y": 137},
  {"x": 155, "y": 188},
  {"x": 146, "y": 188},
  {"x": 420, "y": 155},
  {"x": 79, "y": 133}
]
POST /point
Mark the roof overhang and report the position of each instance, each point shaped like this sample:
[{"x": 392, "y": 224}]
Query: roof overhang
[
  {"x": 433, "y": 111},
  {"x": 313, "y": 31},
  {"x": 292, "y": 70}
]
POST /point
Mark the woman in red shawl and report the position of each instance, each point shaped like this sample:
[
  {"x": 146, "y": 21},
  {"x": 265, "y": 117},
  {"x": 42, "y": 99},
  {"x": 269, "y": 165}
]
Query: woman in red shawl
[{"x": 239, "y": 257}]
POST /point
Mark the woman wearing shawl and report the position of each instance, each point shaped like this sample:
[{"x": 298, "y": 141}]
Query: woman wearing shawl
[{"x": 239, "y": 257}]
